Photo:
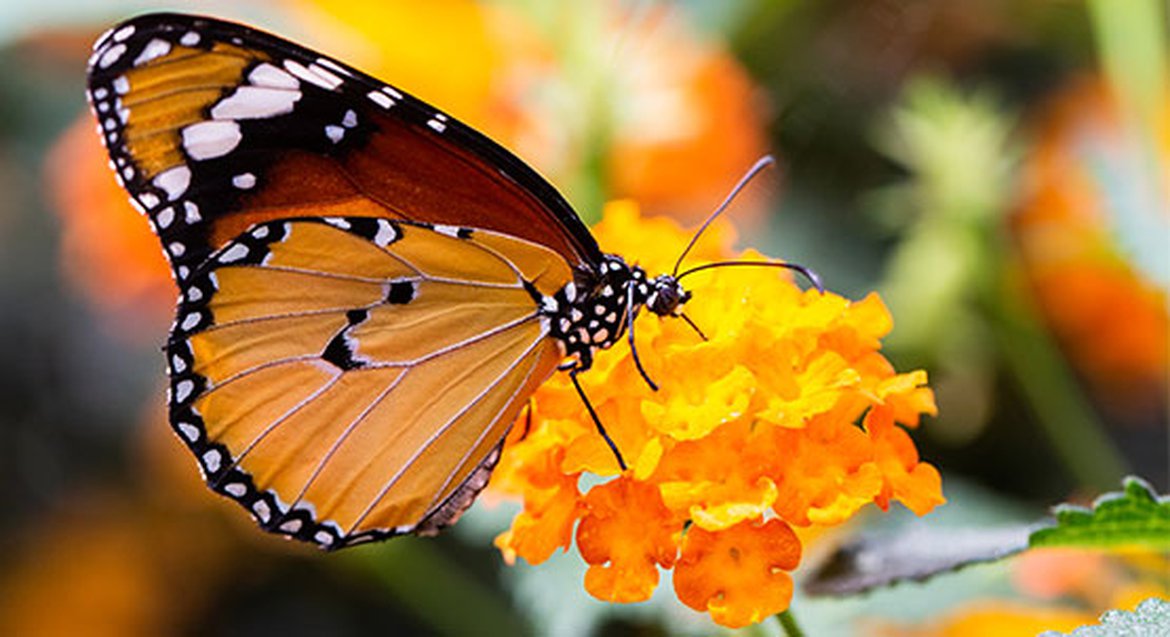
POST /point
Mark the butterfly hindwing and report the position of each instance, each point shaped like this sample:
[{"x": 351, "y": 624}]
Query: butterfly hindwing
[
  {"x": 348, "y": 379},
  {"x": 214, "y": 127}
]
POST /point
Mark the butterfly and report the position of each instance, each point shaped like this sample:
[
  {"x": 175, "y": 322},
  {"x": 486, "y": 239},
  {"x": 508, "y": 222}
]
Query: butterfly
[{"x": 369, "y": 290}]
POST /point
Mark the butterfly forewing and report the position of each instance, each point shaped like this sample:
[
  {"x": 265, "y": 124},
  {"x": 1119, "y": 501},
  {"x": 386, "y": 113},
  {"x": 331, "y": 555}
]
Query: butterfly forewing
[
  {"x": 214, "y": 127},
  {"x": 341, "y": 403}
]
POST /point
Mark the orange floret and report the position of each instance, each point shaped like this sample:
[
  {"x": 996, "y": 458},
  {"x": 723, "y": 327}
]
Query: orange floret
[
  {"x": 625, "y": 536},
  {"x": 739, "y": 574}
]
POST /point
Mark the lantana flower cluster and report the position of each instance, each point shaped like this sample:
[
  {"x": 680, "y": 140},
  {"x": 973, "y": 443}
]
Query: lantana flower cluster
[{"x": 785, "y": 417}]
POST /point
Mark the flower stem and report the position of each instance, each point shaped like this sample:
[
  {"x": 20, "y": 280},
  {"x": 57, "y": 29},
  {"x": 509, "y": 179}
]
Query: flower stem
[{"x": 788, "y": 623}]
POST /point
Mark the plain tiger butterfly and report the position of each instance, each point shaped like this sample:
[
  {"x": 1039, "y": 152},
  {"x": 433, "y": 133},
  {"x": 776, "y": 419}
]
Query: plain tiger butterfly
[{"x": 370, "y": 290}]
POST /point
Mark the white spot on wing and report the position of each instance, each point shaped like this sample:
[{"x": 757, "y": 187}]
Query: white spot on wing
[
  {"x": 262, "y": 511},
  {"x": 255, "y": 102},
  {"x": 156, "y": 48},
  {"x": 173, "y": 181},
  {"x": 189, "y": 431},
  {"x": 165, "y": 217},
  {"x": 237, "y": 489},
  {"x": 244, "y": 181},
  {"x": 350, "y": 119},
  {"x": 189, "y": 38},
  {"x": 330, "y": 64},
  {"x": 183, "y": 390},
  {"x": 315, "y": 75},
  {"x": 235, "y": 253},
  {"x": 272, "y": 77},
  {"x": 385, "y": 234},
  {"x": 450, "y": 231},
  {"x": 191, "y": 212},
  {"x": 208, "y": 140},
  {"x": 191, "y": 321},
  {"x": 292, "y": 526},
  {"x": 111, "y": 55},
  {"x": 334, "y": 133},
  {"x": 121, "y": 34},
  {"x": 326, "y": 75},
  {"x": 381, "y": 99},
  {"x": 212, "y": 460},
  {"x": 121, "y": 85}
]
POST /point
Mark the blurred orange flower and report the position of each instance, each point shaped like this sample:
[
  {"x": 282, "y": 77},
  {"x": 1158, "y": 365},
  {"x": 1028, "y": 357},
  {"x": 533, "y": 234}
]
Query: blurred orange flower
[
  {"x": 107, "y": 248},
  {"x": 1083, "y": 188},
  {"x": 1059, "y": 590},
  {"x": 754, "y": 431},
  {"x": 582, "y": 90},
  {"x": 1002, "y": 619}
]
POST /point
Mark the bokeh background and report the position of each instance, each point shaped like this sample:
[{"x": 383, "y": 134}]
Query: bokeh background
[{"x": 999, "y": 171}]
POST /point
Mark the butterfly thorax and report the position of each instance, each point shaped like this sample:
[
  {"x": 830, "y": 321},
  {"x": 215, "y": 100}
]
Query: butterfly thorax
[{"x": 592, "y": 312}]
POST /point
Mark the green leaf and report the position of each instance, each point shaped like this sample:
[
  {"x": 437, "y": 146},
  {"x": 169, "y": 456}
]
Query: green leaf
[
  {"x": 1136, "y": 516},
  {"x": 1152, "y": 617}
]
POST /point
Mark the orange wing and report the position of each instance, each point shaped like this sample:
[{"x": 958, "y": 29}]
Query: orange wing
[
  {"x": 349, "y": 379},
  {"x": 214, "y": 127}
]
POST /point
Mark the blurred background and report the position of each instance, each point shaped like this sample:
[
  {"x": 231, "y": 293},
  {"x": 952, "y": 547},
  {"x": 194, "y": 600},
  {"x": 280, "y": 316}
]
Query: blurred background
[{"x": 999, "y": 171}]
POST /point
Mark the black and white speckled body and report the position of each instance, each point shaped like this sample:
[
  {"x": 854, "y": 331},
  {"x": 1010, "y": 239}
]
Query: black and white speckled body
[{"x": 593, "y": 312}]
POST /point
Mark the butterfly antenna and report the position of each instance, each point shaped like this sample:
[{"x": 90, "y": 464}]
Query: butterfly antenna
[
  {"x": 764, "y": 162},
  {"x": 596, "y": 421},
  {"x": 630, "y": 334},
  {"x": 807, "y": 273}
]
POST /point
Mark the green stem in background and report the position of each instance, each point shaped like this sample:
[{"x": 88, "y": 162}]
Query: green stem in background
[
  {"x": 1062, "y": 410},
  {"x": 426, "y": 581},
  {"x": 788, "y": 624},
  {"x": 1131, "y": 40}
]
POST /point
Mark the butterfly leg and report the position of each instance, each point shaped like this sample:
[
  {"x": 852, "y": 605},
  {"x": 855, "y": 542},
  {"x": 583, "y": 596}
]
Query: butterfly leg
[
  {"x": 630, "y": 316},
  {"x": 593, "y": 414},
  {"x": 693, "y": 326}
]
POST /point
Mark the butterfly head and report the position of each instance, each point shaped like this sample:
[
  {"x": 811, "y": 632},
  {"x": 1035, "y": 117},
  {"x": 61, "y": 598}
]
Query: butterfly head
[{"x": 666, "y": 296}]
